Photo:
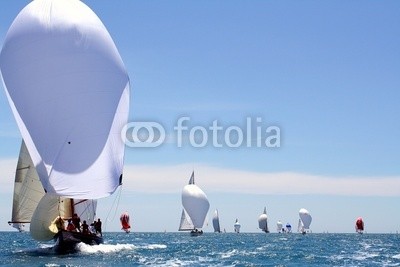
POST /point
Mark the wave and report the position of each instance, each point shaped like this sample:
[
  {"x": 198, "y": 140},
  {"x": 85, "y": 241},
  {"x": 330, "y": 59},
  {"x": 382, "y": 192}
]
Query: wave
[{"x": 103, "y": 248}]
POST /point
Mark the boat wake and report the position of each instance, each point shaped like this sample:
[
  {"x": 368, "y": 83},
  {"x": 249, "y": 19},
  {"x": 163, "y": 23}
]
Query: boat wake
[{"x": 103, "y": 248}]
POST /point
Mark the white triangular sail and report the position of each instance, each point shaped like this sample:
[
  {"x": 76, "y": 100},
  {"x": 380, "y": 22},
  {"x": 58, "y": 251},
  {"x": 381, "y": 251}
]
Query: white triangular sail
[
  {"x": 263, "y": 221},
  {"x": 195, "y": 203},
  {"x": 27, "y": 190},
  {"x": 300, "y": 226},
  {"x": 215, "y": 221},
  {"x": 185, "y": 224},
  {"x": 69, "y": 92}
]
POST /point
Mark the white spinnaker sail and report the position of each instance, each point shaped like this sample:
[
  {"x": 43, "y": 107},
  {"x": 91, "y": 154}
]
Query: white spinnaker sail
[
  {"x": 27, "y": 189},
  {"x": 305, "y": 218},
  {"x": 185, "y": 224},
  {"x": 195, "y": 203},
  {"x": 215, "y": 221},
  {"x": 279, "y": 226},
  {"x": 69, "y": 92},
  {"x": 236, "y": 226},
  {"x": 263, "y": 220}
]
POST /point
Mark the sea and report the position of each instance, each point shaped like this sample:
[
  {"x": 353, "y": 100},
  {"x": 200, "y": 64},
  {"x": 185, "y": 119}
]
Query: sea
[{"x": 209, "y": 249}]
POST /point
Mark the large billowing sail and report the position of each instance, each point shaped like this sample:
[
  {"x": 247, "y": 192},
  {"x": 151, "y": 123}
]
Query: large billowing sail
[
  {"x": 195, "y": 203},
  {"x": 305, "y": 219},
  {"x": 263, "y": 221},
  {"x": 69, "y": 92},
  {"x": 27, "y": 190},
  {"x": 215, "y": 221}
]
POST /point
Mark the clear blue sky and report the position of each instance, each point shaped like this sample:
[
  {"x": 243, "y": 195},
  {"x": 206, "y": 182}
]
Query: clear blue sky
[{"x": 326, "y": 73}]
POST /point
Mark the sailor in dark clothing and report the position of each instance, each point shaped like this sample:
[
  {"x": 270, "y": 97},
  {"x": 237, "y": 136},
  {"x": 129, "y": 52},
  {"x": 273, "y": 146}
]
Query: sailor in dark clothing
[
  {"x": 85, "y": 228},
  {"x": 76, "y": 221},
  {"x": 97, "y": 227}
]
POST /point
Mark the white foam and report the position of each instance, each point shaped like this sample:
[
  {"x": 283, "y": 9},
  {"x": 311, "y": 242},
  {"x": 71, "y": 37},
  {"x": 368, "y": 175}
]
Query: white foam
[
  {"x": 155, "y": 246},
  {"x": 103, "y": 248},
  {"x": 229, "y": 254}
]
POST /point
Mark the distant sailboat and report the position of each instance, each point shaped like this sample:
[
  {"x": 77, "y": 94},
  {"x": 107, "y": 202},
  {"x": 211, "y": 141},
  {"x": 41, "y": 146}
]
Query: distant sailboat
[
  {"x": 195, "y": 208},
  {"x": 304, "y": 221},
  {"x": 215, "y": 222},
  {"x": 236, "y": 226},
  {"x": 263, "y": 221},
  {"x": 69, "y": 93},
  {"x": 279, "y": 227},
  {"x": 124, "y": 219},
  {"x": 359, "y": 225},
  {"x": 288, "y": 228}
]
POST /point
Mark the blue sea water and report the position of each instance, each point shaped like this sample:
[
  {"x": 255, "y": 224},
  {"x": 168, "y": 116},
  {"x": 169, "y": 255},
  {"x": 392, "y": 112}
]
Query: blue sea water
[{"x": 210, "y": 249}]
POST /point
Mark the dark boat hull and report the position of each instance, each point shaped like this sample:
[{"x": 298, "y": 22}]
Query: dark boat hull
[
  {"x": 196, "y": 232},
  {"x": 66, "y": 240}
]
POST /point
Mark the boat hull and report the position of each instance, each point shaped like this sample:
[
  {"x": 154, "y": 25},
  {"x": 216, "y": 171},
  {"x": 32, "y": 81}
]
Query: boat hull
[
  {"x": 196, "y": 232},
  {"x": 66, "y": 240}
]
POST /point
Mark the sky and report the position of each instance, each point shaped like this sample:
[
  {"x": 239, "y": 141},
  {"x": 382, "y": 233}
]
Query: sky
[{"x": 325, "y": 74}]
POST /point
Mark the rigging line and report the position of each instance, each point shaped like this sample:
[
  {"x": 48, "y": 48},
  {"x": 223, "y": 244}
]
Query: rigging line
[{"x": 116, "y": 199}]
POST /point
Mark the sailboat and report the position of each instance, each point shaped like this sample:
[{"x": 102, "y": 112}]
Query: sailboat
[
  {"x": 288, "y": 228},
  {"x": 263, "y": 221},
  {"x": 236, "y": 226},
  {"x": 359, "y": 225},
  {"x": 304, "y": 221},
  {"x": 279, "y": 227},
  {"x": 125, "y": 222},
  {"x": 69, "y": 93},
  {"x": 215, "y": 222},
  {"x": 195, "y": 208}
]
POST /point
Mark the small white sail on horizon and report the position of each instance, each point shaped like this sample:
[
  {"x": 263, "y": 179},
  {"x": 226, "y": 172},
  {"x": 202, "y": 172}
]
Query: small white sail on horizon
[
  {"x": 236, "y": 226},
  {"x": 263, "y": 221},
  {"x": 288, "y": 228},
  {"x": 279, "y": 226},
  {"x": 215, "y": 221},
  {"x": 304, "y": 221},
  {"x": 195, "y": 206}
]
